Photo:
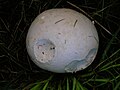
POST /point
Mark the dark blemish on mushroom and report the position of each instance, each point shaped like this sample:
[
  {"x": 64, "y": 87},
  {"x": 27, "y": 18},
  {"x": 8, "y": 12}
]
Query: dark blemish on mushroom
[
  {"x": 65, "y": 41},
  {"x": 39, "y": 46},
  {"x": 52, "y": 48},
  {"x": 59, "y": 33},
  {"x": 43, "y": 53},
  {"x": 75, "y": 23},
  {"x": 59, "y": 21},
  {"x": 75, "y": 52},
  {"x": 53, "y": 55}
]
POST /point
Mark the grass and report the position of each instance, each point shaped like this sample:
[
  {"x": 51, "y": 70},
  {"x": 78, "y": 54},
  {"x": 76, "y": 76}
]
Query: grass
[{"x": 17, "y": 71}]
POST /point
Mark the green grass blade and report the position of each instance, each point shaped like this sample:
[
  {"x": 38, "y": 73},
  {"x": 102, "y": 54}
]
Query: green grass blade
[
  {"x": 113, "y": 66},
  {"x": 110, "y": 63},
  {"x": 87, "y": 74},
  {"x": 68, "y": 84},
  {"x": 100, "y": 80},
  {"x": 110, "y": 43},
  {"x": 45, "y": 87},
  {"x": 117, "y": 87},
  {"x": 79, "y": 86},
  {"x": 29, "y": 86},
  {"x": 36, "y": 87},
  {"x": 74, "y": 83},
  {"x": 101, "y": 63},
  {"x": 116, "y": 52},
  {"x": 115, "y": 78},
  {"x": 59, "y": 86}
]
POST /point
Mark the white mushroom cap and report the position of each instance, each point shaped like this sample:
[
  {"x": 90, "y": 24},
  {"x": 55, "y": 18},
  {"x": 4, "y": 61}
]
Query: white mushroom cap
[{"x": 62, "y": 40}]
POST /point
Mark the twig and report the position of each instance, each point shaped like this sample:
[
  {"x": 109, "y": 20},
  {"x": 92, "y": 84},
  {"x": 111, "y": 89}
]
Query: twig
[{"x": 89, "y": 17}]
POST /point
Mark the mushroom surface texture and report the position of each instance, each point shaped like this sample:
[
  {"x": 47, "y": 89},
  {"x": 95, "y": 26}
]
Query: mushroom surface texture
[{"x": 62, "y": 40}]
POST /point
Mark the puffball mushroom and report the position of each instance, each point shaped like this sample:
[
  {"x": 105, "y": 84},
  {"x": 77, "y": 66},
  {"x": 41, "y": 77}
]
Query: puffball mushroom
[{"x": 62, "y": 41}]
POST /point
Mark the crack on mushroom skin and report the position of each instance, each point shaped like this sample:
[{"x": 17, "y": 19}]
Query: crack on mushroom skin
[
  {"x": 59, "y": 21},
  {"x": 75, "y": 23},
  {"x": 77, "y": 65}
]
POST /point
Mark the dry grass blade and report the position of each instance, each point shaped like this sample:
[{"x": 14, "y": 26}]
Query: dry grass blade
[{"x": 90, "y": 17}]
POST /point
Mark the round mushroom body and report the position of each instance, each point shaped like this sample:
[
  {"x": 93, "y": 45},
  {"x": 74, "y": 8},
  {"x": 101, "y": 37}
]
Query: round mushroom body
[{"x": 62, "y": 40}]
